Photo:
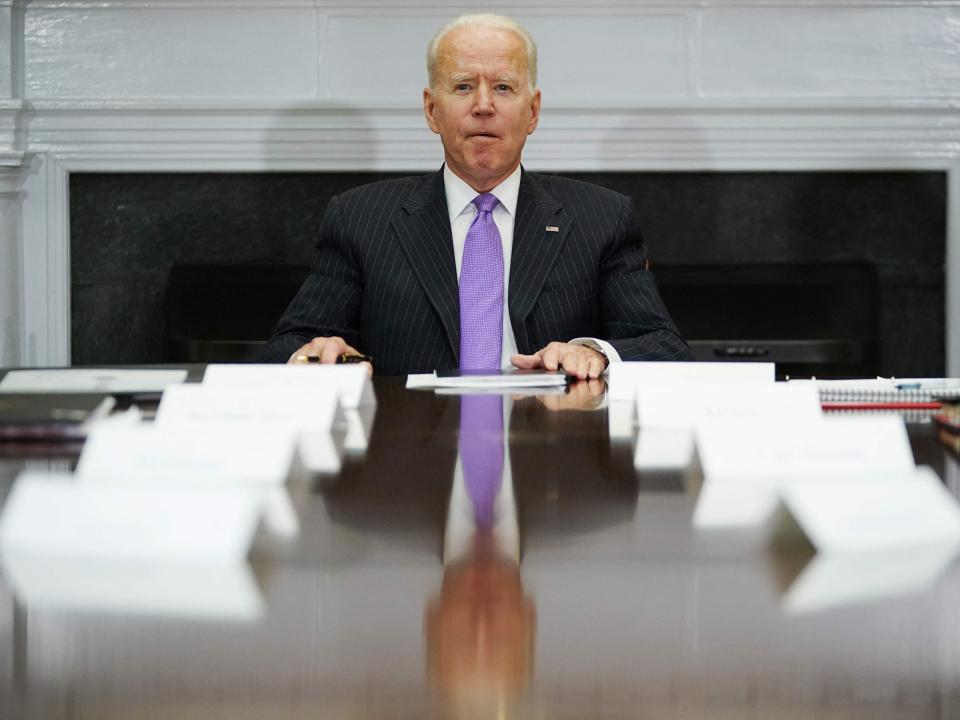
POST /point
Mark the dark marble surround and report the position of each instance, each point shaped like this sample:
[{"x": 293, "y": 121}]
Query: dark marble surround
[{"x": 127, "y": 230}]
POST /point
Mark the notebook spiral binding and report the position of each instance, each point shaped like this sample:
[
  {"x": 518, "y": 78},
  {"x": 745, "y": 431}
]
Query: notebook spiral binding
[{"x": 881, "y": 396}]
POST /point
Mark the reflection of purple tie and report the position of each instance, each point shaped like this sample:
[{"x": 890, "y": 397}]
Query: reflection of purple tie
[
  {"x": 481, "y": 452},
  {"x": 481, "y": 290}
]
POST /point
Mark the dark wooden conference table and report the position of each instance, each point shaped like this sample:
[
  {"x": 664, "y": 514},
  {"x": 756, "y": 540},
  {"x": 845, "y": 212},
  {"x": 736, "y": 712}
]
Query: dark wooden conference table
[{"x": 617, "y": 608}]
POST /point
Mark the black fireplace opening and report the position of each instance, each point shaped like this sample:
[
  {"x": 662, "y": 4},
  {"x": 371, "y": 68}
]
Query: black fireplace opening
[{"x": 828, "y": 274}]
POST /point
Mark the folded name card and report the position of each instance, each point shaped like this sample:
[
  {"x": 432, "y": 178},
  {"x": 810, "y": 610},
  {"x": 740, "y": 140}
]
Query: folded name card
[
  {"x": 691, "y": 405},
  {"x": 841, "y": 446},
  {"x": 202, "y": 591},
  {"x": 843, "y": 579},
  {"x": 862, "y": 515},
  {"x": 664, "y": 449},
  {"x": 53, "y": 516},
  {"x": 213, "y": 455},
  {"x": 352, "y": 382},
  {"x": 307, "y": 413},
  {"x": 746, "y": 463},
  {"x": 104, "y": 380},
  {"x": 624, "y": 378}
]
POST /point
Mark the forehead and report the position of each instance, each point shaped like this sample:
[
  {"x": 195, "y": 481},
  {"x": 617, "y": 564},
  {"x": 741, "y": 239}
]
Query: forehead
[{"x": 475, "y": 48}]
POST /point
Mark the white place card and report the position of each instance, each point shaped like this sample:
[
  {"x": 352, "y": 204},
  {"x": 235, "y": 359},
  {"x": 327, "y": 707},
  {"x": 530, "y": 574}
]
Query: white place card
[
  {"x": 211, "y": 456},
  {"x": 745, "y": 464},
  {"x": 691, "y": 405},
  {"x": 624, "y": 378},
  {"x": 352, "y": 381},
  {"x": 839, "y": 580},
  {"x": 104, "y": 380},
  {"x": 669, "y": 414},
  {"x": 359, "y": 426},
  {"x": 307, "y": 413},
  {"x": 50, "y": 516},
  {"x": 201, "y": 591},
  {"x": 664, "y": 449},
  {"x": 862, "y": 515},
  {"x": 832, "y": 446}
]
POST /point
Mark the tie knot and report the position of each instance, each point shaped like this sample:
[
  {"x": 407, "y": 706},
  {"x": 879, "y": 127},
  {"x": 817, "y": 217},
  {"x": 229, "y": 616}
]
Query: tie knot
[{"x": 485, "y": 202}]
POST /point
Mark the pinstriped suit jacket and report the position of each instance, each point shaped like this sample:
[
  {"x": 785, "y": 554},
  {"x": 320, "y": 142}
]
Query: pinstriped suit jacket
[{"x": 384, "y": 276}]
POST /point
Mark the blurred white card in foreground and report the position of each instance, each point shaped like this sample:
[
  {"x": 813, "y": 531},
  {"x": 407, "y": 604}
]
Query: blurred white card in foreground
[
  {"x": 843, "y": 579},
  {"x": 745, "y": 464},
  {"x": 862, "y": 515},
  {"x": 104, "y": 380},
  {"x": 203, "y": 591},
  {"x": 53, "y": 516},
  {"x": 306, "y": 413},
  {"x": 205, "y": 457},
  {"x": 841, "y": 446}
]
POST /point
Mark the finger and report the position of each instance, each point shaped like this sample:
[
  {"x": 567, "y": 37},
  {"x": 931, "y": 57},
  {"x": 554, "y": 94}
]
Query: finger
[
  {"x": 332, "y": 348},
  {"x": 527, "y": 362},
  {"x": 595, "y": 367},
  {"x": 551, "y": 356},
  {"x": 571, "y": 360},
  {"x": 304, "y": 351}
]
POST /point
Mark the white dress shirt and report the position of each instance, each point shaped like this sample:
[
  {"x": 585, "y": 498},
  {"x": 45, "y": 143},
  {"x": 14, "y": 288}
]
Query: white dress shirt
[{"x": 462, "y": 214}]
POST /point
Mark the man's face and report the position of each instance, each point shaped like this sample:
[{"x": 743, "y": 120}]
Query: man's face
[{"x": 482, "y": 106}]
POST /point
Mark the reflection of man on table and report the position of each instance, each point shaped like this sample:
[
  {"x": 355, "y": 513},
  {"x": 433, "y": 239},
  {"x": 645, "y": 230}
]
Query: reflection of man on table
[
  {"x": 481, "y": 257},
  {"x": 480, "y": 627}
]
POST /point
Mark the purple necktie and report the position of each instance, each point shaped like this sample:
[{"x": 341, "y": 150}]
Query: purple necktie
[
  {"x": 481, "y": 291},
  {"x": 481, "y": 453}
]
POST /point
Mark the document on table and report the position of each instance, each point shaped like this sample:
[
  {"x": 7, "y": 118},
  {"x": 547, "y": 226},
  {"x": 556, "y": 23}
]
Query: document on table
[
  {"x": 488, "y": 379},
  {"x": 89, "y": 380}
]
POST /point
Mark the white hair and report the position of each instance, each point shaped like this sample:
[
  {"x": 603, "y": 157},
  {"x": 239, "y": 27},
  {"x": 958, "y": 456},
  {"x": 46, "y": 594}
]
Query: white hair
[{"x": 490, "y": 22}]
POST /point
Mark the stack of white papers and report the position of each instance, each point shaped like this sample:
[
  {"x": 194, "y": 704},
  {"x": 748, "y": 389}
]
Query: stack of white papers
[{"x": 488, "y": 380}]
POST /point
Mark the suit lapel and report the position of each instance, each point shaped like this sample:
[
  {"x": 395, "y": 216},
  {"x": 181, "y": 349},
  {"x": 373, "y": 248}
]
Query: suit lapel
[
  {"x": 423, "y": 230},
  {"x": 535, "y": 250}
]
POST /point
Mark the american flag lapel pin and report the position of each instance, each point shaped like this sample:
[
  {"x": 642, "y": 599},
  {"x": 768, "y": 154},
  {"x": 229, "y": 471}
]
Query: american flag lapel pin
[{"x": 552, "y": 228}]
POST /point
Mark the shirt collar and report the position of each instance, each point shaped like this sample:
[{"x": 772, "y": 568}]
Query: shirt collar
[{"x": 460, "y": 194}]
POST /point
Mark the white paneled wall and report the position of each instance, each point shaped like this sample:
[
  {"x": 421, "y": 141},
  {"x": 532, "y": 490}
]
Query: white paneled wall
[{"x": 138, "y": 85}]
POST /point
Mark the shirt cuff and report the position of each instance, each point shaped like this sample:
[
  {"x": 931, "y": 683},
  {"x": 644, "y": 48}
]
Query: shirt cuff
[{"x": 601, "y": 346}]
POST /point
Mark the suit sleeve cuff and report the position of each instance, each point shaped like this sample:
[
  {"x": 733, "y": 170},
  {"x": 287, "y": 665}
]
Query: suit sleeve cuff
[{"x": 601, "y": 346}]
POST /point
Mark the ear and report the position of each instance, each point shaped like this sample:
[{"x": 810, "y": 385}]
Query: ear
[
  {"x": 429, "y": 105},
  {"x": 534, "y": 112}
]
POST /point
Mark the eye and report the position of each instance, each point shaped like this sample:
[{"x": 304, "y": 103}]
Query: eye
[
  {"x": 502, "y": 87},
  {"x": 462, "y": 87}
]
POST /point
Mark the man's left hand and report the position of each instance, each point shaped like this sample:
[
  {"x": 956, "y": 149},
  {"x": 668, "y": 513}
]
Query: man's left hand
[{"x": 577, "y": 360}]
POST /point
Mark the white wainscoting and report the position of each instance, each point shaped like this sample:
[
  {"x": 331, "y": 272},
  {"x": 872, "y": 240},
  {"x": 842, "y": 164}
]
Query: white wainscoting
[{"x": 218, "y": 85}]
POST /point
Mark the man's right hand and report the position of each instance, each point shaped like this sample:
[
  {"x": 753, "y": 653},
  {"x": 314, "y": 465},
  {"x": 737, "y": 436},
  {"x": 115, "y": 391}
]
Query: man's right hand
[{"x": 328, "y": 349}]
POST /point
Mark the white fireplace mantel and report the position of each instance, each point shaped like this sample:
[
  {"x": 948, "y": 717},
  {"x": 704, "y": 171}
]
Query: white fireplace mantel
[{"x": 221, "y": 85}]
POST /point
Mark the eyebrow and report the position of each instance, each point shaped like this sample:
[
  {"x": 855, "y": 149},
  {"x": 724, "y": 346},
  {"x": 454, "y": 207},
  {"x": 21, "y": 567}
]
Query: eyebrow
[{"x": 462, "y": 77}]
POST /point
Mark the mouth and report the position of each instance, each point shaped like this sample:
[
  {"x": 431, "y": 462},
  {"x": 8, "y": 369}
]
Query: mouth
[{"x": 482, "y": 136}]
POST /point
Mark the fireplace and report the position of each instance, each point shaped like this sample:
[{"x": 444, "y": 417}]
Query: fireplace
[{"x": 810, "y": 270}]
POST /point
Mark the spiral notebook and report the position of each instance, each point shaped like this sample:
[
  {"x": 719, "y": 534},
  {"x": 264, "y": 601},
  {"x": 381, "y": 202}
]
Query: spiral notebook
[{"x": 890, "y": 391}]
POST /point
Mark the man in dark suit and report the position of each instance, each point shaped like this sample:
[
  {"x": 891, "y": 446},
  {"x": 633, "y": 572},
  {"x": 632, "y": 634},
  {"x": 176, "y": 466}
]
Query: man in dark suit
[{"x": 415, "y": 271}]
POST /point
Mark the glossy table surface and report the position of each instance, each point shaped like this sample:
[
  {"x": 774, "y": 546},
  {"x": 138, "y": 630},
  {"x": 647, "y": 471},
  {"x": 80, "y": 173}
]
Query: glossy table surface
[{"x": 614, "y": 606}]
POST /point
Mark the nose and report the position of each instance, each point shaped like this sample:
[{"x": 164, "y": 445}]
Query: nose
[{"x": 483, "y": 101}]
